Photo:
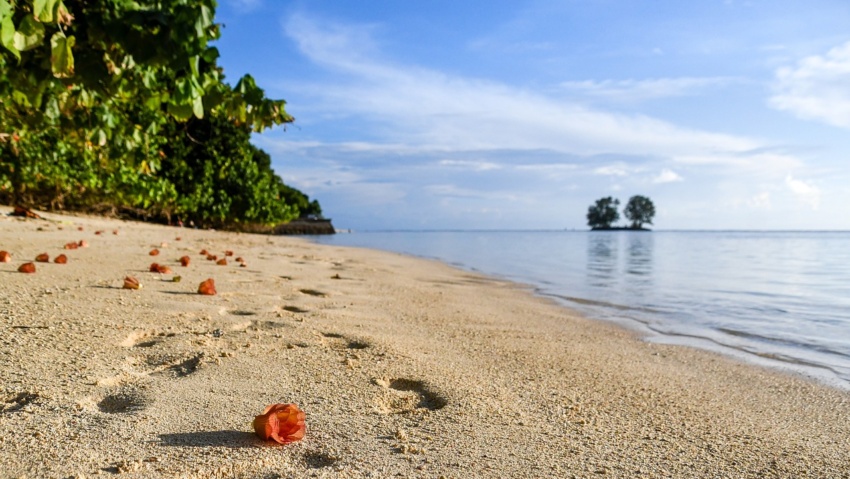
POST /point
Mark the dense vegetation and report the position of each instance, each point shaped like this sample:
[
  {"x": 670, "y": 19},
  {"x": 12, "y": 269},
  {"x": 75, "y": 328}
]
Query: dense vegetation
[
  {"x": 603, "y": 213},
  {"x": 221, "y": 179},
  {"x": 120, "y": 105}
]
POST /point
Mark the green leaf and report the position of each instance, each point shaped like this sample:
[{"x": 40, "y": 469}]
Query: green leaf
[
  {"x": 100, "y": 137},
  {"x": 86, "y": 98},
  {"x": 193, "y": 65},
  {"x": 30, "y": 34},
  {"x": 5, "y": 9},
  {"x": 21, "y": 99},
  {"x": 43, "y": 10},
  {"x": 210, "y": 54},
  {"x": 154, "y": 102},
  {"x": 61, "y": 15},
  {"x": 51, "y": 109},
  {"x": 249, "y": 90},
  {"x": 198, "y": 107},
  {"x": 38, "y": 8},
  {"x": 181, "y": 112},
  {"x": 182, "y": 92},
  {"x": 7, "y": 35},
  {"x": 203, "y": 21},
  {"x": 61, "y": 56}
]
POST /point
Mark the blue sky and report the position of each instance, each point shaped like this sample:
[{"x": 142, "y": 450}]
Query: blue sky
[{"x": 728, "y": 114}]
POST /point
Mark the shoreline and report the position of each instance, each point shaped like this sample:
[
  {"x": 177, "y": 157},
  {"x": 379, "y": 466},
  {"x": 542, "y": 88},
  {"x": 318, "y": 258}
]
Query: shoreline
[
  {"x": 796, "y": 361},
  {"x": 403, "y": 365}
]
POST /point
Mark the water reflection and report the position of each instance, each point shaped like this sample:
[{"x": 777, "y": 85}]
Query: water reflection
[
  {"x": 602, "y": 250},
  {"x": 620, "y": 261},
  {"x": 640, "y": 254},
  {"x": 639, "y": 280}
]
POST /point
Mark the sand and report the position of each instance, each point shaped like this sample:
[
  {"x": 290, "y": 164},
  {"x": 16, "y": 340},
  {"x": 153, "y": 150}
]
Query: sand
[{"x": 405, "y": 368}]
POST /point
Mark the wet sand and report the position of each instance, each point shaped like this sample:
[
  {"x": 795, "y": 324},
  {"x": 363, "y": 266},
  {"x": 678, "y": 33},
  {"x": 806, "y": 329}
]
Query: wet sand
[{"x": 405, "y": 368}]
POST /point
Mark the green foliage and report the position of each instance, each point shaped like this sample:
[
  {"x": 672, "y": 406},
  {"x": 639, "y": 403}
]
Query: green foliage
[
  {"x": 603, "y": 213},
  {"x": 91, "y": 92},
  {"x": 221, "y": 179},
  {"x": 639, "y": 210}
]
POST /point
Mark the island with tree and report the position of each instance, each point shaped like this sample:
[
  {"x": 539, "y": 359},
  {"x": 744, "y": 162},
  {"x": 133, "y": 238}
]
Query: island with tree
[{"x": 604, "y": 213}]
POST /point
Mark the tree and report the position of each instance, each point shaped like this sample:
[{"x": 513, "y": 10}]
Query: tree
[
  {"x": 89, "y": 85},
  {"x": 120, "y": 105},
  {"x": 222, "y": 180},
  {"x": 60, "y": 55},
  {"x": 603, "y": 213},
  {"x": 639, "y": 210}
]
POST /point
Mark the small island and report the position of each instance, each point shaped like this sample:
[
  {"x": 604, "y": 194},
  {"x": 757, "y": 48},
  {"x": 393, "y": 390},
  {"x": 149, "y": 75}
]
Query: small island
[{"x": 639, "y": 210}]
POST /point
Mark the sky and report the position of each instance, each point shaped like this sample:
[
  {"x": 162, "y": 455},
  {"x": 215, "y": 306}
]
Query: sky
[{"x": 446, "y": 114}]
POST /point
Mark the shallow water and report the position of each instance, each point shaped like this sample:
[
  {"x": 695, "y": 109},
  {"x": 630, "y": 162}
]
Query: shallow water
[{"x": 782, "y": 297}]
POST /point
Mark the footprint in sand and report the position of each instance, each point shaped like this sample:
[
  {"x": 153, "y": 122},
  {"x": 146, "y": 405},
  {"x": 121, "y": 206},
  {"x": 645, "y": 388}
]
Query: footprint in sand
[
  {"x": 318, "y": 460},
  {"x": 400, "y": 396},
  {"x": 145, "y": 339},
  {"x": 174, "y": 364},
  {"x": 350, "y": 350},
  {"x": 313, "y": 292},
  {"x": 295, "y": 309},
  {"x": 125, "y": 400},
  {"x": 258, "y": 325},
  {"x": 179, "y": 365},
  {"x": 16, "y": 401},
  {"x": 340, "y": 342},
  {"x": 138, "y": 368}
]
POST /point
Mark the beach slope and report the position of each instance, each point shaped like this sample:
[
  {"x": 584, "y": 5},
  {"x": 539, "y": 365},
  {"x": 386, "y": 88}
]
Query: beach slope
[{"x": 404, "y": 367}]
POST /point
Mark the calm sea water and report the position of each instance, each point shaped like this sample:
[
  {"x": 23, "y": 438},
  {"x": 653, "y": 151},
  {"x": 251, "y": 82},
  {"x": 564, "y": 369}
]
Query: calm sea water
[{"x": 781, "y": 298}]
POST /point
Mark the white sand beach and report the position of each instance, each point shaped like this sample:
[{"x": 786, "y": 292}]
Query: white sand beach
[{"x": 404, "y": 367}]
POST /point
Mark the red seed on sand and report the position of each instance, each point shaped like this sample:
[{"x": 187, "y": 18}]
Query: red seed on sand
[
  {"x": 27, "y": 268},
  {"x": 207, "y": 287}
]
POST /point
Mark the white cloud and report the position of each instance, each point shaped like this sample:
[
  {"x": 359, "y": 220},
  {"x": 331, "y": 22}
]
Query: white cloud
[
  {"x": 471, "y": 165},
  {"x": 754, "y": 161},
  {"x": 447, "y": 191},
  {"x": 428, "y": 109},
  {"x": 611, "y": 170},
  {"x": 548, "y": 168},
  {"x": 817, "y": 88},
  {"x": 639, "y": 90},
  {"x": 805, "y": 192},
  {"x": 667, "y": 176}
]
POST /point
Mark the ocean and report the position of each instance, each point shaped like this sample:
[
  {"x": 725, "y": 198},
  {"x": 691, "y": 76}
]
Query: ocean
[{"x": 776, "y": 298}]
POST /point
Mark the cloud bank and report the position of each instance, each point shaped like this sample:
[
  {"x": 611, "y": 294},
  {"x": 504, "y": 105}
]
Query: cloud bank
[
  {"x": 817, "y": 88},
  {"x": 422, "y": 107},
  {"x": 417, "y": 142}
]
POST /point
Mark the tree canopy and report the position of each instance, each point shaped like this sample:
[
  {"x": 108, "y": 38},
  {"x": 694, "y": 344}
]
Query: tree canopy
[
  {"x": 603, "y": 213},
  {"x": 639, "y": 210},
  {"x": 61, "y": 56},
  {"x": 95, "y": 97}
]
